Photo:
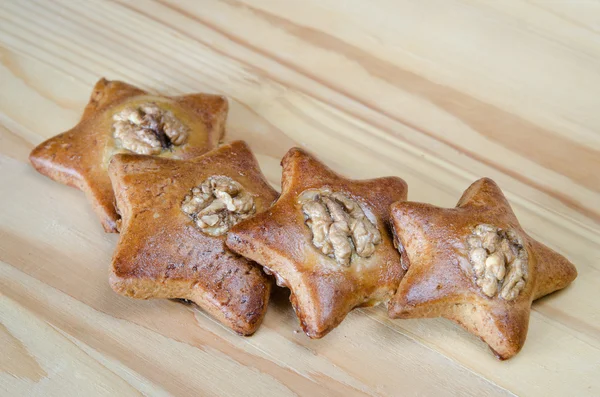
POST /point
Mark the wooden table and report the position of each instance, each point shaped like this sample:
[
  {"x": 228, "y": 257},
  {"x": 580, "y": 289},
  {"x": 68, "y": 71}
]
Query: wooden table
[{"x": 437, "y": 92}]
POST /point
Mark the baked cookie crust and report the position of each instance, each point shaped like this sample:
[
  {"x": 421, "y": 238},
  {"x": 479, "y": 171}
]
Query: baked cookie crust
[
  {"x": 164, "y": 253},
  {"x": 474, "y": 265},
  {"x": 327, "y": 240}
]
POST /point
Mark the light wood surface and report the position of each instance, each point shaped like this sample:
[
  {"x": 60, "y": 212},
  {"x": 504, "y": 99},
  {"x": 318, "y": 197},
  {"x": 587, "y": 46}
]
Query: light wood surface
[{"x": 437, "y": 92}]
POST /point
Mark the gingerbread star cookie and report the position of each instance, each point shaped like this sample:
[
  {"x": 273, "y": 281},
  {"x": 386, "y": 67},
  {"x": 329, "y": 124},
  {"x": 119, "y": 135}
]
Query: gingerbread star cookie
[
  {"x": 327, "y": 240},
  {"x": 122, "y": 118},
  {"x": 175, "y": 216},
  {"x": 475, "y": 265}
]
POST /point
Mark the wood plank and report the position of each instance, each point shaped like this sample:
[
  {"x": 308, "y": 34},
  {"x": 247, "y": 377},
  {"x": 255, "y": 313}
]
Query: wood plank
[{"x": 443, "y": 93}]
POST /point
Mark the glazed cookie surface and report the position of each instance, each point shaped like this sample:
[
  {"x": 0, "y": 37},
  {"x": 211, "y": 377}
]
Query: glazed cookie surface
[
  {"x": 327, "y": 240},
  {"x": 172, "y": 243}
]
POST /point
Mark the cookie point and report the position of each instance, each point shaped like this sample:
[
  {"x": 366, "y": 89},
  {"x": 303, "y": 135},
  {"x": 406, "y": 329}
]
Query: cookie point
[
  {"x": 103, "y": 81},
  {"x": 116, "y": 159},
  {"x": 34, "y": 157},
  {"x": 294, "y": 152},
  {"x": 402, "y": 185},
  {"x": 485, "y": 181},
  {"x": 240, "y": 144},
  {"x": 396, "y": 206}
]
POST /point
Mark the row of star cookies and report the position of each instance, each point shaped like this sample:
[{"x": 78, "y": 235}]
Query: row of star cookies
[
  {"x": 338, "y": 244},
  {"x": 327, "y": 238}
]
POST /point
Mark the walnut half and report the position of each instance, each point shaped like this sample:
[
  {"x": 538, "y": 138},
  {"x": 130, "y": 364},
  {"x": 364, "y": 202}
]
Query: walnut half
[
  {"x": 148, "y": 129},
  {"x": 217, "y": 204},
  {"x": 339, "y": 226},
  {"x": 499, "y": 260}
]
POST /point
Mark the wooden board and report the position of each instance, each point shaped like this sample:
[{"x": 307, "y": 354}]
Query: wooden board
[{"x": 437, "y": 92}]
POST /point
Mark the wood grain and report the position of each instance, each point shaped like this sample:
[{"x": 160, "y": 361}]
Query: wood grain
[{"x": 437, "y": 92}]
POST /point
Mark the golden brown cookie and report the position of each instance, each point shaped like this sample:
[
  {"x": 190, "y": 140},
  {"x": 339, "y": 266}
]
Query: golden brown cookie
[
  {"x": 475, "y": 265},
  {"x": 327, "y": 240},
  {"x": 122, "y": 118},
  {"x": 175, "y": 216}
]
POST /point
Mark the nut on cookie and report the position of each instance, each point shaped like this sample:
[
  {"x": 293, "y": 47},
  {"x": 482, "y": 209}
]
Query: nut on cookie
[
  {"x": 475, "y": 265},
  {"x": 327, "y": 240},
  {"x": 172, "y": 243}
]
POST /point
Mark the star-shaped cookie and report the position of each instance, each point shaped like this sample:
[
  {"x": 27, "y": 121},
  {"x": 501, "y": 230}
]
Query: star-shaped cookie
[
  {"x": 327, "y": 239},
  {"x": 475, "y": 265},
  {"x": 122, "y": 118},
  {"x": 175, "y": 216}
]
